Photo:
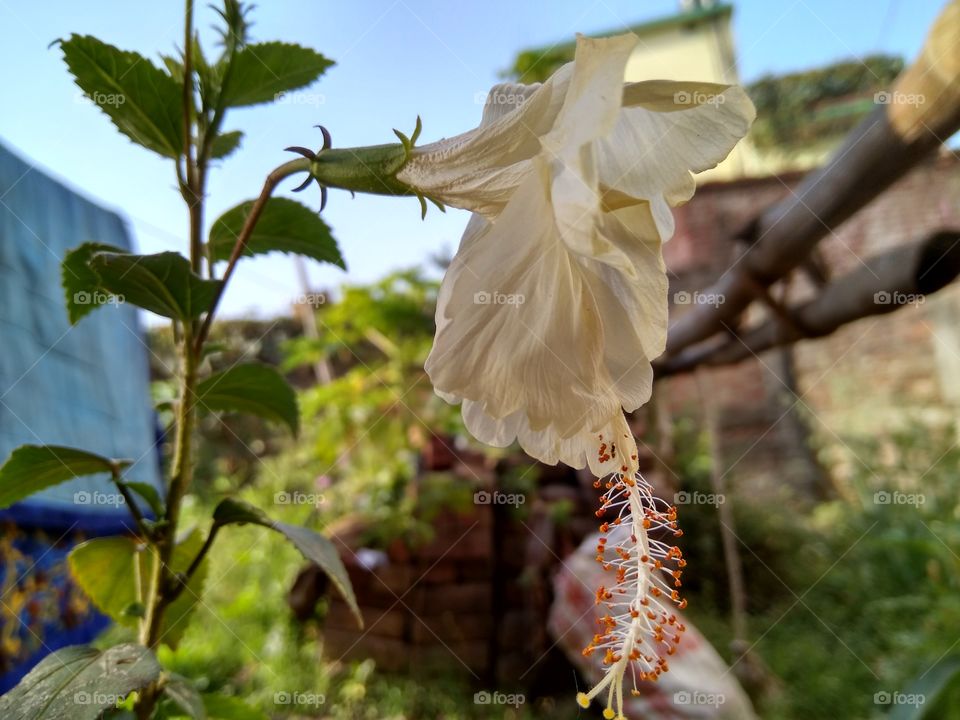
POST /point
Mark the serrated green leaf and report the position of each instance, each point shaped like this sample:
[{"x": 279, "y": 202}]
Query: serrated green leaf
[
  {"x": 224, "y": 707},
  {"x": 163, "y": 283},
  {"x": 208, "y": 82},
  {"x": 114, "y": 572},
  {"x": 177, "y": 617},
  {"x": 251, "y": 388},
  {"x": 261, "y": 71},
  {"x": 145, "y": 103},
  {"x": 237, "y": 512},
  {"x": 80, "y": 683},
  {"x": 149, "y": 493},
  {"x": 225, "y": 143},
  {"x": 81, "y": 284},
  {"x": 174, "y": 67},
  {"x": 284, "y": 226},
  {"x": 313, "y": 546},
  {"x": 31, "y": 468},
  {"x": 185, "y": 696}
]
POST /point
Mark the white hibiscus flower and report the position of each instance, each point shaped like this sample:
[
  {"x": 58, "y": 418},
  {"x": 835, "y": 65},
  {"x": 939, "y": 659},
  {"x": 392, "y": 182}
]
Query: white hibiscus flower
[{"x": 556, "y": 301}]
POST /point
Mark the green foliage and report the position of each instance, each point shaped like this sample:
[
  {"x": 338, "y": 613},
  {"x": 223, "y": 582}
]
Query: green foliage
[
  {"x": 180, "y": 612},
  {"x": 284, "y": 226},
  {"x": 251, "y": 388},
  {"x": 233, "y": 446},
  {"x": 147, "y": 492},
  {"x": 260, "y": 72},
  {"x": 181, "y": 693},
  {"x": 32, "y": 468},
  {"x": 81, "y": 284},
  {"x": 153, "y": 582},
  {"x": 246, "y": 644},
  {"x": 223, "y": 707},
  {"x": 800, "y": 109},
  {"x": 144, "y": 103},
  {"x": 80, "y": 683},
  {"x": 877, "y": 580},
  {"x": 533, "y": 66},
  {"x": 939, "y": 687},
  {"x": 163, "y": 283},
  {"x": 114, "y": 573},
  {"x": 225, "y": 144},
  {"x": 313, "y": 546},
  {"x": 370, "y": 422}
]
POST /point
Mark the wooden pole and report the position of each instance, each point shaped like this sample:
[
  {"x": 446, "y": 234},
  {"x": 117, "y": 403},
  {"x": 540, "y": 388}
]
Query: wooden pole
[
  {"x": 902, "y": 277},
  {"x": 914, "y": 118}
]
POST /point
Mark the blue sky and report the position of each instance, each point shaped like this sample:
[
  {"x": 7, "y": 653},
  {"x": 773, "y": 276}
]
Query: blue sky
[{"x": 395, "y": 59}]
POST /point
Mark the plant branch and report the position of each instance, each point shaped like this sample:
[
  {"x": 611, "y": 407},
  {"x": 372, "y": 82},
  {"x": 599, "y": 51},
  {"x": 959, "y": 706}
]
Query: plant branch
[
  {"x": 269, "y": 185},
  {"x": 193, "y": 191},
  {"x": 183, "y": 580},
  {"x": 129, "y": 499}
]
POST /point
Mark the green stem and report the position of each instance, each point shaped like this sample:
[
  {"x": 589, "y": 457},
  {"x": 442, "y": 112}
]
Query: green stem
[
  {"x": 132, "y": 506},
  {"x": 179, "y": 484},
  {"x": 163, "y": 542},
  {"x": 183, "y": 580},
  {"x": 269, "y": 185},
  {"x": 193, "y": 191}
]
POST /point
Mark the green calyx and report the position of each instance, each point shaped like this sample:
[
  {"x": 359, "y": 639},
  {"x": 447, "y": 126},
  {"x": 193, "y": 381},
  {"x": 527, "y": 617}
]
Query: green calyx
[{"x": 372, "y": 169}]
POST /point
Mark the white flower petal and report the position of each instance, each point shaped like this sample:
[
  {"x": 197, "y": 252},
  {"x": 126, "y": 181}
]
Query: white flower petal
[
  {"x": 593, "y": 99},
  {"x": 641, "y": 291},
  {"x": 538, "y": 353},
  {"x": 556, "y": 302},
  {"x": 590, "y": 111},
  {"x": 479, "y": 170},
  {"x": 504, "y": 98},
  {"x": 575, "y": 345},
  {"x": 665, "y": 132},
  {"x": 548, "y": 447}
]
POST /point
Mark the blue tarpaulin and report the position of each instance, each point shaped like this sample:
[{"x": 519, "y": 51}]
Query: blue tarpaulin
[{"x": 84, "y": 386}]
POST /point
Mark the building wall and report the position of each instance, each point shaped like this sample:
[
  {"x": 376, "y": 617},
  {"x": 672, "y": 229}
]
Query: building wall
[
  {"x": 698, "y": 51},
  {"x": 865, "y": 379}
]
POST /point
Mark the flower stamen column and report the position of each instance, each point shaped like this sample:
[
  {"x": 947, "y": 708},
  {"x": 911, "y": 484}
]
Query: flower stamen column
[{"x": 639, "y": 629}]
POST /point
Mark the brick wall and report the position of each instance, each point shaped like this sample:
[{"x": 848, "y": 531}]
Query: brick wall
[
  {"x": 865, "y": 378},
  {"x": 474, "y": 599}
]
